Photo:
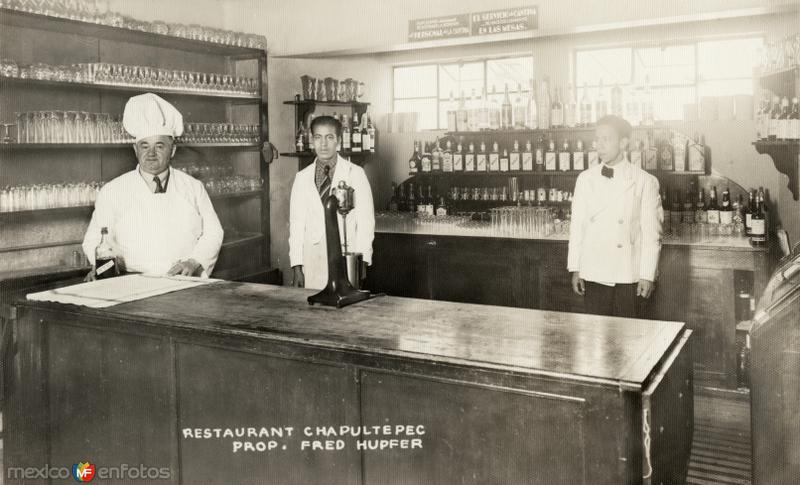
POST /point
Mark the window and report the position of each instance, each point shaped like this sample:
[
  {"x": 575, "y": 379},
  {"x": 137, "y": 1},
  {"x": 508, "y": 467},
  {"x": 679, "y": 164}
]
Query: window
[
  {"x": 433, "y": 89},
  {"x": 677, "y": 74}
]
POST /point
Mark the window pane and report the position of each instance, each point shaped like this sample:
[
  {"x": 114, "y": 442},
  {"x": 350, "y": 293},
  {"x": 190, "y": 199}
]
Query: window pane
[
  {"x": 728, "y": 58},
  {"x": 613, "y": 66},
  {"x": 665, "y": 65},
  {"x": 669, "y": 102},
  {"x": 425, "y": 107},
  {"x": 726, "y": 87},
  {"x": 415, "y": 81},
  {"x": 513, "y": 71},
  {"x": 458, "y": 78}
]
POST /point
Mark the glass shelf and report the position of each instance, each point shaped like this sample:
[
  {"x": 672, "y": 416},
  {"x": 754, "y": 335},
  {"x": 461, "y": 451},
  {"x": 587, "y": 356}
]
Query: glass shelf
[
  {"x": 17, "y": 18},
  {"x": 241, "y": 97}
]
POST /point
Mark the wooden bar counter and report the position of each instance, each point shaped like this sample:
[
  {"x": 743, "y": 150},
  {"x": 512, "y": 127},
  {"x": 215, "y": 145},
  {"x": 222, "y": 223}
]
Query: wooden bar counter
[{"x": 206, "y": 382}]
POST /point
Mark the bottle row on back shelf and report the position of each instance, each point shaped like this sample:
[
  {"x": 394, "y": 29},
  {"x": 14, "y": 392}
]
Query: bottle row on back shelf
[
  {"x": 668, "y": 151},
  {"x": 775, "y": 120},
  {"x": 357, "y": 137}
]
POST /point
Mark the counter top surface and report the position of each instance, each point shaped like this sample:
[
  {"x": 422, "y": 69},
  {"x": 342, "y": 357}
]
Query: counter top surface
[{"x": 573, "y": 346}]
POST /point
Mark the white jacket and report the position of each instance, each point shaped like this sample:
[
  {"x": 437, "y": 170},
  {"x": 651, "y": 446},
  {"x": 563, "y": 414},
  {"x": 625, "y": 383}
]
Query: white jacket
[
  {"x": 307, "y": 245},
  {"x": 615, "y": 232}
]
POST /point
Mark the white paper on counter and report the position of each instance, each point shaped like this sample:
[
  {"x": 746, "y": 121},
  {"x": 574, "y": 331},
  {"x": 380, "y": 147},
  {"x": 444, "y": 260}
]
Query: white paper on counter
[{"x": 122, "y": 289}]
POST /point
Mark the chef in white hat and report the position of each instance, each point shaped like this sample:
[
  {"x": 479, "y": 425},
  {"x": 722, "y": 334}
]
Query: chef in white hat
[{"x": 160, "y": 220}]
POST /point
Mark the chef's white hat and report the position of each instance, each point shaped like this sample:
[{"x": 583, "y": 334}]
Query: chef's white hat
[{"x": 148, "y": 115}]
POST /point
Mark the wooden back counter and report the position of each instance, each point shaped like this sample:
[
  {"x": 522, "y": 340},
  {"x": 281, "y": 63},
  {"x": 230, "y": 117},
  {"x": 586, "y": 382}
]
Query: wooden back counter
[{"x": 486, "y": 394}]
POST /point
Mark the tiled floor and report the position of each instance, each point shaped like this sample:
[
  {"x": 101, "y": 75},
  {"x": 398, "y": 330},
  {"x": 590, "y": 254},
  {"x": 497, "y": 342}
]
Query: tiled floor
[{"x": 721, "y": 447}]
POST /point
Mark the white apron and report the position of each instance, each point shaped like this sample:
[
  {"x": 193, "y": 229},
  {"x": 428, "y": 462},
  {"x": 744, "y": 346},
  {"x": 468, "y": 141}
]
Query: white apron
[{"x": 156, "y": 231}]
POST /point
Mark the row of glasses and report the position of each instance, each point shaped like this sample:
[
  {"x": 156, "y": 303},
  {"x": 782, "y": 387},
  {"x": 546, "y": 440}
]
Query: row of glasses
[
  {"x": 219, "y": 177},
  {"x": 704, "y": 231},
  {"x": 220, "y": 133},
  {"x": 331, "y": 89},
  {"x": 97, "y": 11},
  {"x": 70, "y": 127},
  {"x": 48, "y": 196},
  {"x": 524, "y": 222},
  {"x": 780, "y": 54}
]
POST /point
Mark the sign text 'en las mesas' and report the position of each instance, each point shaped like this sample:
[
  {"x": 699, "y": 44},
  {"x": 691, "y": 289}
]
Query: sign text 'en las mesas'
[{"x": 475, "y": 24}]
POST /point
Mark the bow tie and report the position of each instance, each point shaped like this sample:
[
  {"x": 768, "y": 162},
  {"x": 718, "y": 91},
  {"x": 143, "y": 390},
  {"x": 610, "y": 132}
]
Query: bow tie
[{"x": 607, "y": 172}]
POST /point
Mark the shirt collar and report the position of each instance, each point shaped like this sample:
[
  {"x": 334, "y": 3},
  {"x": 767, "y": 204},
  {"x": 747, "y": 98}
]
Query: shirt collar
[
  {"x": 148, "y": 178},
  {"x": 621, "y": 167},
  {"x": 332, "y": 164}
]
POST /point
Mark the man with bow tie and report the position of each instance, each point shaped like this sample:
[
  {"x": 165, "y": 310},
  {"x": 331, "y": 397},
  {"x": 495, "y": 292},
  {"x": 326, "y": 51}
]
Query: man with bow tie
[
  {"x": 615, "y": 232},
  {"x": 308, "y": 254}
]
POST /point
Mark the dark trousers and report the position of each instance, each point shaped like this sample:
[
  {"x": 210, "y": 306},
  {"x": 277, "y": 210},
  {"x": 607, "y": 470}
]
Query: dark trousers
[{"x": 618, "y": 300}]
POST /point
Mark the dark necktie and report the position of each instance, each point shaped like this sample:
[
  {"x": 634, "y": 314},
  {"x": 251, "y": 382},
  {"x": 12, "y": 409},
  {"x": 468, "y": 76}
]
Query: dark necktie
[
  {"x": 159, "y": 188},
  {"x": 326, "y": 182},
  {"x": 607, "y": 172}
]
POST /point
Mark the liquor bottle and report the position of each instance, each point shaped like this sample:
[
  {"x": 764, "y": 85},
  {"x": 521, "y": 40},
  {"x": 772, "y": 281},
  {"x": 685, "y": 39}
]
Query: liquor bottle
[
  {"x": 726, "y": 211},
  {"x": 473, "y": 111},
  {"x": 520, "y": 115},
  {"x": 506, "y": 120},
  {"x": 416, "y": 159},
  {"x": 426, "y": 159},
  {"x": 586, "y": 108},
  {"x": 774, "y": 114},
  {"x": 494, "y": 158},
  {"x": 758, "y": 224},
  {"x": 527, "y": 157},
  {"x": 514, "y": 160},
  {"x": 539, "y": 159},
  {"x": 592, "y": 157},
  {"x": 393, "y": 201},
  {"x": 650, "y": 154},
  {"x": 676, "y": 214},
  {"x": 532, "y": 109},
  {"x": 441, "y": 208},
  {"x": 469, "y": 159},
  {"x": 458, "y": 158},
  {"x": 578, "y": 157},
  {"x": 564, "y": 157},
  {"x": 688, "y": 208},
  {"x": 784, "y": 119},
  {"x": 648, "y": 105},
  {"x": 700, "y": 214},
  {"x": 494, "y": 111},
  {"x": 616, "y": 100},
  {"x": 346, "y": 134},
  {"x": 713, "y": 209},
  {"x": 762, "y": 118},
  {"x": 679, "y": 142},
  {"x": 761, "y": 198},
  {"x": 738, "y": 216},
  {"x": 301, "y": 137},
  {"x": 436, "y": 157},
  {"x": 601, "y": 105},
  {"x": 422, "y": 202},
  {"x": 452, "y": 114},
  {"x": 544, "y": 105},
  {"x": 550, "y": 156},
  {"x": 401, "y": 200},
  {"x": 570, "y": 109},
  {"x": 794, "y": 120},
  {"x": 366, "y": 139},
  {"x": 411, "y": 204},
  {"x": 105, "y": 258},
  {"x": 355, "y": 145},
  {"x": 665, "y": 161},
  {"x": 481, "y": 159},
  {"x": 447, "y": 158},
  {"x": 557, "y": 111},
  {"x": 504, "y": 162},
  {"x": 636, "y": 154},
  {"x": 372, "y": 130},
  {"x": 748, "y": 214},
  {"x": 483, "y": 112},
  {"x": 697, "y": 154},
  {"x": 461, "y": 114},
  {"x": 430, "y": 208}
]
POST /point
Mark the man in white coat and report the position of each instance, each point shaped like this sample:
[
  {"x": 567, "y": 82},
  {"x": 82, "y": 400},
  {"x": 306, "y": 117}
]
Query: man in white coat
[
  {"x": 160, "y": 220},
  {"x": 308, "y": 252},
  {"x": 615, "y": 232}
]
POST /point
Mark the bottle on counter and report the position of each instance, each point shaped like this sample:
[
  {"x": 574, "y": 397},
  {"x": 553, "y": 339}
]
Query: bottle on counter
[
  {"x": 726, "y": 210},
  {"x": 700, "y": 214},
  {"x": 758, "y": 223},
  {"x": 458, "y": 158},
  {"x": 564, "y": 157},
  {"x": 106, "y": 264},
  {"x": 441, "y": 208},
  {"x": 527, "y": 157},
  {"x": 355, "y": 143},
  {"x": 748, "y": 212},
  {"x": 712, "y": 211},
  {"x": 738, "y": 216}
]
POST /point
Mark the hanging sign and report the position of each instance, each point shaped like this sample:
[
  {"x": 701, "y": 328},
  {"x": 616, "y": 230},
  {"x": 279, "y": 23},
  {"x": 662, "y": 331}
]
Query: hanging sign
[
  {"x": 439, "y": 28},
  {"x": 501, "y": 21}
]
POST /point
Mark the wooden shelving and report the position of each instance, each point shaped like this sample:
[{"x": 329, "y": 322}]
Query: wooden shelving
[{"x": 785, "y": 155}]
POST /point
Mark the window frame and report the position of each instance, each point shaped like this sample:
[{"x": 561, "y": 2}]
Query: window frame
[{"x": 483, "y": 60}]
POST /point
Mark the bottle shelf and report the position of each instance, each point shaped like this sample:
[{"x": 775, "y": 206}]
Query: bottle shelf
[
  {"x": 785, "y": 156},
  {"x": 36, "y": 21},
  {"x": 511, "y": 132},
  {"x": 787, "y": 143},
  {"x": 570, "y": 173},
  {"x": 313, "y": 154},
  {"x": 241, "y": 98},
  {"x": 312, "y": 102}
]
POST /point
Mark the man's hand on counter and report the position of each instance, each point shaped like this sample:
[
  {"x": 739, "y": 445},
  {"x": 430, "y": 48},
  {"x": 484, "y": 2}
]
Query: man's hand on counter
[
  {"x": 91, "y": 276},
  {"x": 577, "y": 284},
  {"x": 298, "y": 278},
  {"x": 187, "y": 267},
  {"x": 644, "y": 288}
]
